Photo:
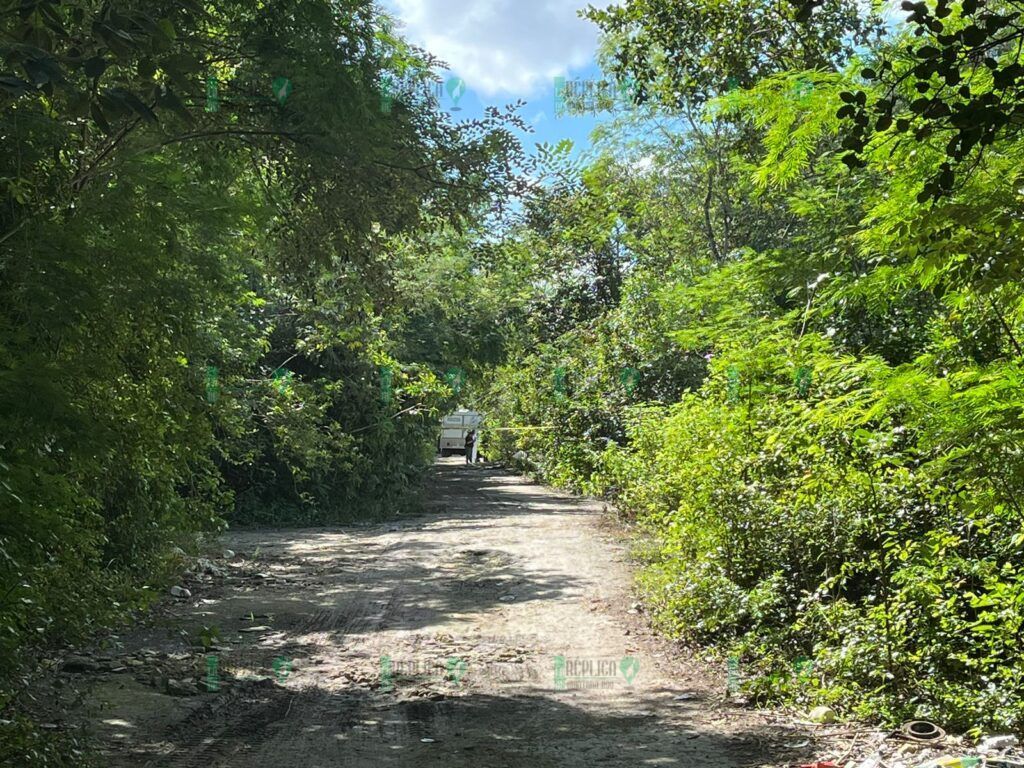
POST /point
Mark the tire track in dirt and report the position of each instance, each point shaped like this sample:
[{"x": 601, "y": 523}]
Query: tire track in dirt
[
  {"x": 241, "y": 724},
  {"x": 494, "y": 629}
]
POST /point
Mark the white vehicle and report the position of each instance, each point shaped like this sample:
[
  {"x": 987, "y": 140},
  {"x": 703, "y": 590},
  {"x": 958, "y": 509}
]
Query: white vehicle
[{"x": 453, "y": 431}]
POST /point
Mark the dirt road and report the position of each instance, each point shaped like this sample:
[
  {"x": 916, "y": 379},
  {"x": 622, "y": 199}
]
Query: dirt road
[{"x": 494, "y": 629}]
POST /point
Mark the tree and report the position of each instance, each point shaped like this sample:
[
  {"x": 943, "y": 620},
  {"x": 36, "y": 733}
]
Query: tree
[
  {"x": 955, "y": 90},
  {"x": 198, "y": 211},
  {"x": 684, "y": 52}
]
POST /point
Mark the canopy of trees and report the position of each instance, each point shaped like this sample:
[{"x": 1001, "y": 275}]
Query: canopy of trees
[
  {"x": 776, "y": 316},
  {"x": 202, "y": 309}
]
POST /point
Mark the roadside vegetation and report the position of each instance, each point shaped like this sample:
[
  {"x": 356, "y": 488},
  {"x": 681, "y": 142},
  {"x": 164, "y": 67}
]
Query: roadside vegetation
[
  {"x": 200, "y": 320},
  {"x": 782, "y": 328},
  {"x": 776, "y": 316}
]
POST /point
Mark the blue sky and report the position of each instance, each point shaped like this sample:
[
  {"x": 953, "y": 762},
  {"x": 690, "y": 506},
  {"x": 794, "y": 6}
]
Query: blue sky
[{"x": 506, "y": 50}]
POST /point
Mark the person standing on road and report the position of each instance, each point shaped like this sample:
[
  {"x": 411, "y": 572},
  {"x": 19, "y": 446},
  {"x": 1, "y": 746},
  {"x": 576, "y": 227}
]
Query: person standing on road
[{"x": 470, "y": 440}]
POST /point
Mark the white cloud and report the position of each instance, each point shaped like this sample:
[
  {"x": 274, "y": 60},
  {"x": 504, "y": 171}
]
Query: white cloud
[{"x": 510, "y": 48}]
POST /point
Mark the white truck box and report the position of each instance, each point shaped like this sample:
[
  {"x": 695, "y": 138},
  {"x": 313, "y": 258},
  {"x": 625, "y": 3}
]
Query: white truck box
[{"x": 454, "y": 427}]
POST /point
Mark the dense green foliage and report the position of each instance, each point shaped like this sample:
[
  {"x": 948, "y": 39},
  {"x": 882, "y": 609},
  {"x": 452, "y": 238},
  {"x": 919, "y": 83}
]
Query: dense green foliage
[
  {"x": 822, "y": 445},
  {"x": 200, "y": 318},
  {"x": 777, "y": 318},
  {"x": 682, "y": 53},
  {"x": 968, "y": 84}
]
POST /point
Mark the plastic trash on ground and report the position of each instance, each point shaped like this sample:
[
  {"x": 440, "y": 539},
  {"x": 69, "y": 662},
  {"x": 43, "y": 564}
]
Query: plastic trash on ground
[
  {"x": 949, "y": 761},
  {"x": 822, "y": 715},
  {"x": 998, "y": 743}
]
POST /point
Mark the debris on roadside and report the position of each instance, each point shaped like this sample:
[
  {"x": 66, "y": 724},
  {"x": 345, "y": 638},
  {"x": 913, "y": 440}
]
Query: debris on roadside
[
  {"x": 922, "y": 730},
  {"x": 206, "y": 567},
  {"x": 998, "y": 743},
  {"x": 917, "y": 744},
  {"x": 948, "y": 761},
  {"x": 823, "y": 715}
]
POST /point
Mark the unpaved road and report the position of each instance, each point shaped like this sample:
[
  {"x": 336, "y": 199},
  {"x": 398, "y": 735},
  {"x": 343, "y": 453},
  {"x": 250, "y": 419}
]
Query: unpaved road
[{"x": 494, "y": 629}]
